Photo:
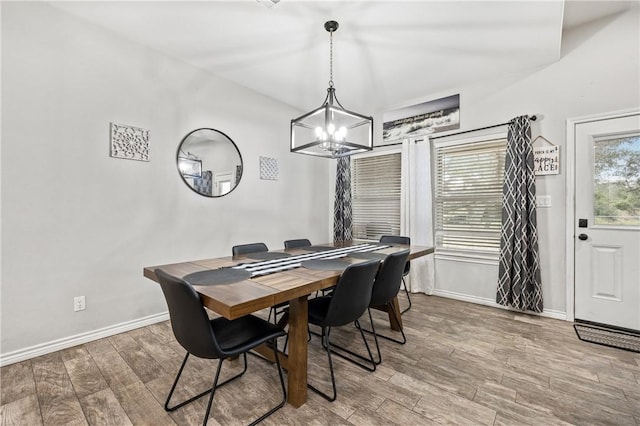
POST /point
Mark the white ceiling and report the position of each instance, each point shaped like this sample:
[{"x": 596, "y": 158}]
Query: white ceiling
[
  {"x": 385, "y": 52},
  {"x": 582, "y": 12}
]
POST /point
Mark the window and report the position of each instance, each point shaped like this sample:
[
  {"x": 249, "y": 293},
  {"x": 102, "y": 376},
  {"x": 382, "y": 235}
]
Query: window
[
  {"x": 375, "y": 188},
  {"x": 616, "y": 190},
  {"x": 468, "y": 195}
]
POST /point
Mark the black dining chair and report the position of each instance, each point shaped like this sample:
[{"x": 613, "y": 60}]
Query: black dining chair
[
  {"x": 248, "y": 248},
  {"x": 219, "y": 338},
  {"x": 396, "y": 239},
  {"x": 302, "y": 243},
  {"x": 385, "y": 289},
  {"x": 347, "y": 303},
  {"x": 299, "y": 243},
  {"x": 258, "y": 248}
]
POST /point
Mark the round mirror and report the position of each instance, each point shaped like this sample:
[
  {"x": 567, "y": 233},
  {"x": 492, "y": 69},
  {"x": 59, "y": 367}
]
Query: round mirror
[{"x": 209, "y": 162}]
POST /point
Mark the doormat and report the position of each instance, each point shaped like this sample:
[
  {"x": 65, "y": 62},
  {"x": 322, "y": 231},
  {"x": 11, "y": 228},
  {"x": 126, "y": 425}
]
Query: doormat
[{"x": 607, "y": 336}]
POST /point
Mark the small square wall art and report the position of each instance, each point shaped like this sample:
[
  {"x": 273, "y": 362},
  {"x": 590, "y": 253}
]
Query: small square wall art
[
  {"x": 268, "y": 168},
  {"x": 129, "y": 142}
]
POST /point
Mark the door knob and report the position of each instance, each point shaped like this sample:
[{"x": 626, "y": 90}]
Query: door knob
[{"x": 583, "y": 237}]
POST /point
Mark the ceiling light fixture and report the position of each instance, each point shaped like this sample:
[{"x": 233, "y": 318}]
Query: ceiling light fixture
[{"x": 331, "y": 131}]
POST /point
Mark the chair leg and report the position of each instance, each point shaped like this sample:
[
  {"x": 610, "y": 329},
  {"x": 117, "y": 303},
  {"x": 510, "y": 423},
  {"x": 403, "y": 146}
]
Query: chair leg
[
  {"x": 213, "y": 392},
  {"x": 404, "y": 284},
  {"x": 325, "y": 336},
  {"x": 286, "y": 340},
  {"x": 375, "y": 337},
  {"x": 244, "y": 370},
  {"x": 173, "y": 387},
  {"x": 275, "y": 313},
  {"x": 395, "y": 316},
  {"x": 215, "y": 386},
  {"x": 284, "y": 389},
  {"x": 369, "y": 360},
  {"x": 200, "y": 395}
]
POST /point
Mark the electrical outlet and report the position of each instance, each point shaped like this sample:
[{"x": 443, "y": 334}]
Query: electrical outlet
[{"x": 79, "y": 303}]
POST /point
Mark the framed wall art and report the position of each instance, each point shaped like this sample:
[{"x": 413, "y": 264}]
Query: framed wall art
[
  {"x": 268, "y": 168},
  {"x": 129, "y": 142},
  {"x": 435, "y": 116}
]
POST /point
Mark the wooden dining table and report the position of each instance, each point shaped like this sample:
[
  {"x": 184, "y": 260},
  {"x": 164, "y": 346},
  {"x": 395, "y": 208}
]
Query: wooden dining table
[{"x": 256, "y": 293}]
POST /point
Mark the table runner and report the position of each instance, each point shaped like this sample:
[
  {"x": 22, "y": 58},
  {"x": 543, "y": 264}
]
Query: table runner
[{"x": 277, "y": 265}]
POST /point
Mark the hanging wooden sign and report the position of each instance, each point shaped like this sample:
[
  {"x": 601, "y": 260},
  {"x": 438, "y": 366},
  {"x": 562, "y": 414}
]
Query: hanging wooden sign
[{"x": 546, "y": 159}]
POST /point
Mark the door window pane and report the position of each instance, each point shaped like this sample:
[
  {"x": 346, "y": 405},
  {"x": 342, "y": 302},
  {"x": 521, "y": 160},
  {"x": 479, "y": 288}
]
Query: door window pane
[{"x": 617, "y": 181}]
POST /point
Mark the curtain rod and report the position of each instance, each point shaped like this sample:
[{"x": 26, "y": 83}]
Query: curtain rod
[{"x": 531, "y": 117}]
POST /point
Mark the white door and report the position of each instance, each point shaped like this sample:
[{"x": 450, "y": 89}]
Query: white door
[
  {"x": 607, "y": 221},
  {"x": 222, "y": 183}
]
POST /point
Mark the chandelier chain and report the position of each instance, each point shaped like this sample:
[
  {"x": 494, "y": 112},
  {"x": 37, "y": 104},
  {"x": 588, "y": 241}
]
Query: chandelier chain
[{"x": 330, "y": 58}]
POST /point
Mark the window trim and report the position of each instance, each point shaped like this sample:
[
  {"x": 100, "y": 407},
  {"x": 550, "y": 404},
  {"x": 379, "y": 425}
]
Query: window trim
[{"x": 378, "y": 150}]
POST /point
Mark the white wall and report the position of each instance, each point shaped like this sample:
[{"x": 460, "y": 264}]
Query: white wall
[
  {"x": 599, "y": 71},
  {"x": 77, "y": 222}
]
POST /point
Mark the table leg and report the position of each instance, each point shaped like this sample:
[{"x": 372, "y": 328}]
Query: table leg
[
  {"x": 395, "y": 325},
  {"x": 297, "y": 372}
]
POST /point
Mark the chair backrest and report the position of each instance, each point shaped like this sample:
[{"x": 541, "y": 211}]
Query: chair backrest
[
  {"x": 352, "y": 294},
  {"x": 302, "y": 242},
  {"x": 397, "y": 239},
  {"x": 189, "y": 321},
  {"x": 389, "y": 278},
  {"x": 248, "y": 248}
]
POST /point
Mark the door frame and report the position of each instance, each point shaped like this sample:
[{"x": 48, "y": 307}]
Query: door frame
[{"x": 571, "y": 199}]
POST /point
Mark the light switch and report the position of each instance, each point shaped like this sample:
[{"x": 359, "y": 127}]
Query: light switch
[{"x": 543, "y": 200}]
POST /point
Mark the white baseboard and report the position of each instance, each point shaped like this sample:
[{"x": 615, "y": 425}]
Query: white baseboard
[
  {"x": 490, "y": 302},
  {"x": 78, "y": 339}
]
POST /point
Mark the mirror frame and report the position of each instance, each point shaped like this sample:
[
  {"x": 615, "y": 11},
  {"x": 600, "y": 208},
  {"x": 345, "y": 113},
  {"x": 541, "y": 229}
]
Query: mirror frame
[{"x": 182, "y": 176}]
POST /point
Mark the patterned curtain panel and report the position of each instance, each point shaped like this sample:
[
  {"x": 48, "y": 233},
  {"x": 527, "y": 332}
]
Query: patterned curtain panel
[
  {"x": 342, "y": 207},
  {"x": 204, "y": 184},
  {"x": 519, "y": 282},
  {"x": 238, "y": 174}
]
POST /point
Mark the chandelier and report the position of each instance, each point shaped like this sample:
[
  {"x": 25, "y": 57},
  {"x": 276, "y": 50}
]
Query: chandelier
[{"x": 331, "y": 131}]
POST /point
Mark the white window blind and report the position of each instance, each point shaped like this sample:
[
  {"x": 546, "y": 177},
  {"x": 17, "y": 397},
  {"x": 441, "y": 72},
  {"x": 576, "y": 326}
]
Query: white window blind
[
  {"x": 468, "y": 195},
  {"x": 375, "y": 189}
]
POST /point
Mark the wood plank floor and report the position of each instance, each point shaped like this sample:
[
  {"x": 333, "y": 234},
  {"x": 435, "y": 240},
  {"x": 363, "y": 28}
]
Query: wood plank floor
[{"x": 463, "y": 364}]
